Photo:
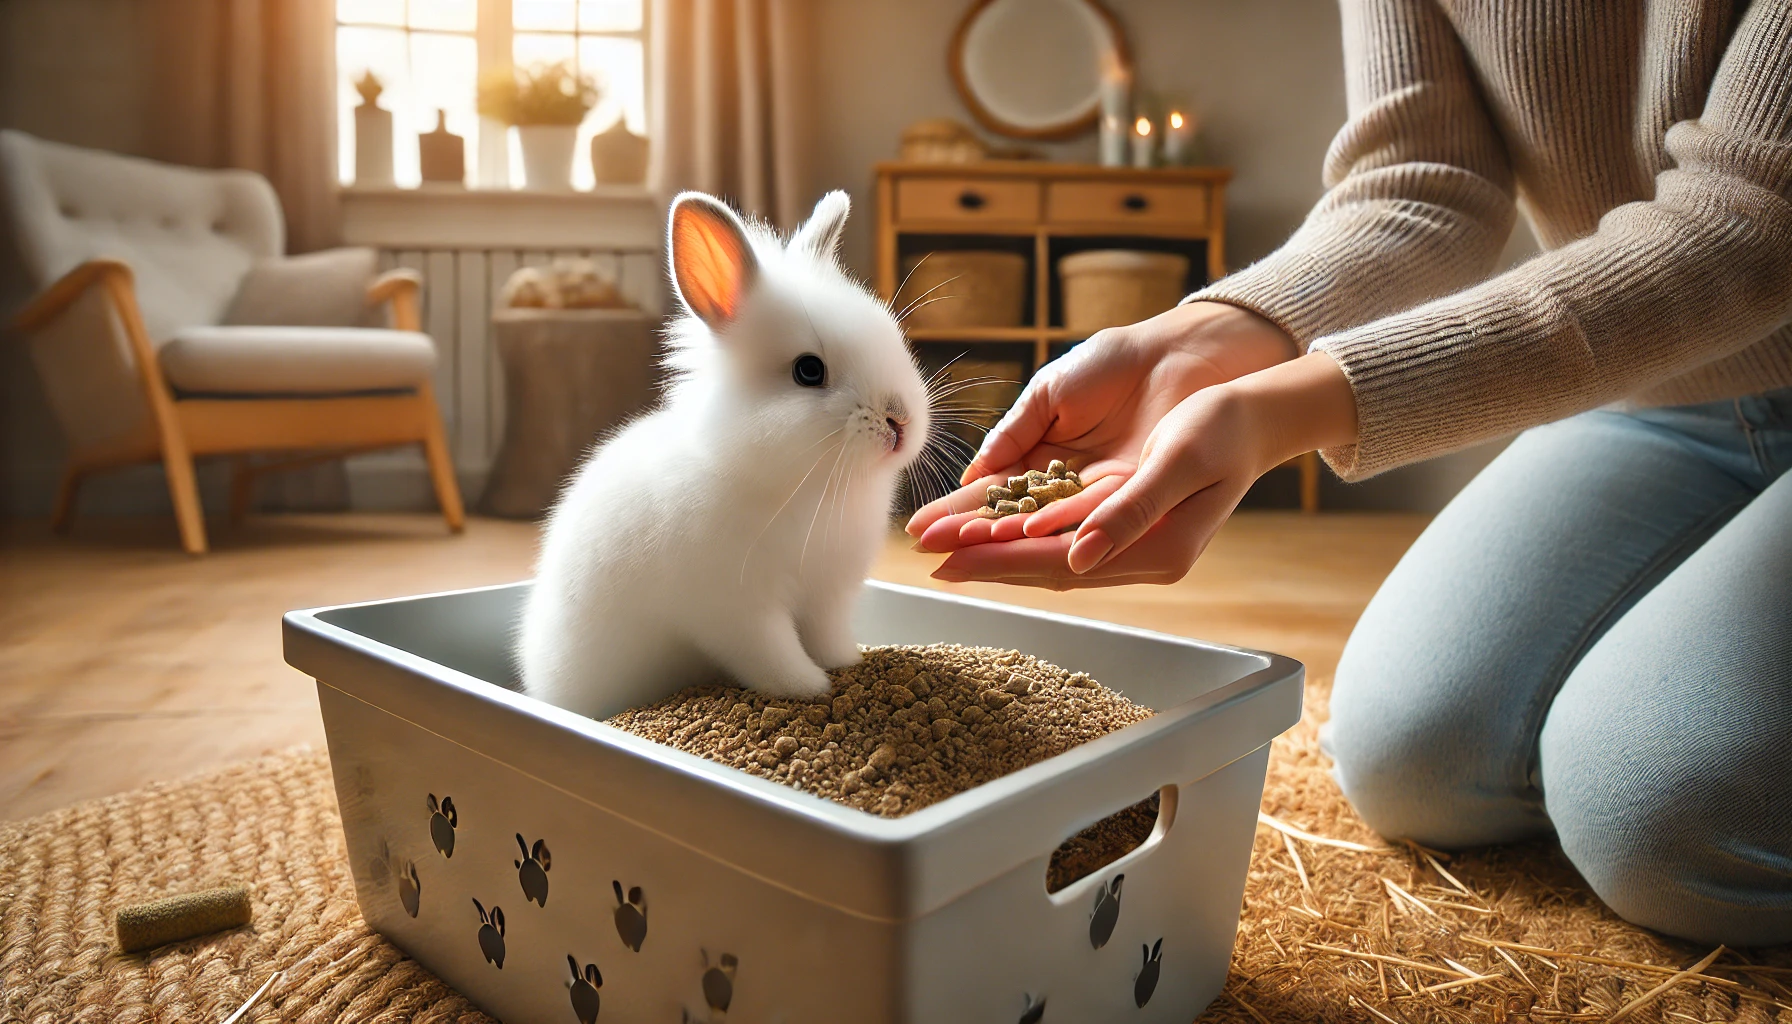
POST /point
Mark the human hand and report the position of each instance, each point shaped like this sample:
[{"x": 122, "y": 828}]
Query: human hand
[
  {"x": 1194, "y": 466},
  {"x": 1094, "y": 409}
]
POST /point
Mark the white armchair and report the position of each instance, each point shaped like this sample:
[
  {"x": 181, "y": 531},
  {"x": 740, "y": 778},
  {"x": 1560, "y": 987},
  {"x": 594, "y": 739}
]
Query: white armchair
[{"x": 169, "y": 326}]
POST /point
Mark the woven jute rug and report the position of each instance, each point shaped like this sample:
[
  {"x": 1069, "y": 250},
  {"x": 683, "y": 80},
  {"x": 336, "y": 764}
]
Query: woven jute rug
[{"x": 1338, "y": 925}]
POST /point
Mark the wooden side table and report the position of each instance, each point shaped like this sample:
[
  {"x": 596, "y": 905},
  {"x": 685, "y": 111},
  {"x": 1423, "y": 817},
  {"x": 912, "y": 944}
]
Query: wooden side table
[
  {"x": 1044, "y": 212},
  {"x": 570, "y": 375}
]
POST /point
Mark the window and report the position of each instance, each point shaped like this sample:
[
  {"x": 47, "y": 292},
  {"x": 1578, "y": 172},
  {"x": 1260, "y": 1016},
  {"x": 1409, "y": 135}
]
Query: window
[{"x": 429, "y": 54}]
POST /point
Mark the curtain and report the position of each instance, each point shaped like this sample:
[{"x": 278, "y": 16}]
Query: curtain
[
  {"x": 730, "y": 106},
  {"x": 251, "y": 84}
]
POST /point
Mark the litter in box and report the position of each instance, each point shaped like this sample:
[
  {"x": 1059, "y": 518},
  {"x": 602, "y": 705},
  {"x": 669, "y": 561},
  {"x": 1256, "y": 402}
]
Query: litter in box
[
  {"x": 1031, "y": 490},
  {"x": 909, "y": 726}
]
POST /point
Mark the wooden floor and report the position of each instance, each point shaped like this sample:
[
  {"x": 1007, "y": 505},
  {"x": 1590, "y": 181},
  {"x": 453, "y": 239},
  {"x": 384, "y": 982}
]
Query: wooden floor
[{"x": 123, "y": 661}]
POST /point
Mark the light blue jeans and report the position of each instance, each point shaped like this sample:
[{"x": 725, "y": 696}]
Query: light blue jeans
[{"x": 1595, "y": 638}]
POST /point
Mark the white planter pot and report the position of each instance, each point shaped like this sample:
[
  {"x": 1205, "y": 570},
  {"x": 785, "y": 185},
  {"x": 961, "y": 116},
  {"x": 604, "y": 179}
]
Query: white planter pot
[{"x": 547, "y": 155}]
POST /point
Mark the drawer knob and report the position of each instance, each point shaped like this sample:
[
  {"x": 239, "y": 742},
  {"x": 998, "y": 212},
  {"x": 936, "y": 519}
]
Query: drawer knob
[
  {"x": 1135, "y": 202},
  {"x": 972, "y": 200}
]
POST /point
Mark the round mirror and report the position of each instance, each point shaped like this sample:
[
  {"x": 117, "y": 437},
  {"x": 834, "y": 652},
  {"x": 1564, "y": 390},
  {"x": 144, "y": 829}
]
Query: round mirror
[{"x": 1032, "y": 69}]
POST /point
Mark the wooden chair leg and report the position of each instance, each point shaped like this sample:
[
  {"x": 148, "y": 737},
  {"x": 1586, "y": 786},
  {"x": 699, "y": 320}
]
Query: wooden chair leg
[
  {"x": 63, "y": 512},
  {"x": 242, "y": 489},
  {"x": 183, "y": 488},
  {"x": 1309, "y": 483},
  {"x": 441, "y": 469}
]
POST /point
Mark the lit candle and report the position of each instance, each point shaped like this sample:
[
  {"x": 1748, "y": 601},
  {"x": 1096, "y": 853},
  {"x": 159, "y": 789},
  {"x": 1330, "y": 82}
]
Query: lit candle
[
  {"x": 1144, "y": 145},
  {"x": 1116, "y": 106},
  {"x": 1179, "y": 135}
]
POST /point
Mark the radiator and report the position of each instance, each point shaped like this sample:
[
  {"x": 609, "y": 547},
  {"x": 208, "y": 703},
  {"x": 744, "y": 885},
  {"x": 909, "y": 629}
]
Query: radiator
[{"x": 460, "y": 289}]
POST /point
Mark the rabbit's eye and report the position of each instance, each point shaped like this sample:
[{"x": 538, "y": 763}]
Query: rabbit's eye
[{"x": 809, "y": 370}]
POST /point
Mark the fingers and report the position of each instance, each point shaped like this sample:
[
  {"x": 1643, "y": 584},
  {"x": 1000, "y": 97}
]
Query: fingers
[
  {"x": 1167, "y": 476},
  {"x": 1019, "y": 431},
  {"x": 968, "y": 497},
  {"x": 945, "y": 534}
]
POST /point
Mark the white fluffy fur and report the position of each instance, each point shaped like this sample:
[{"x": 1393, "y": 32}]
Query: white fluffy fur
[{"x": 731, "y": 529}]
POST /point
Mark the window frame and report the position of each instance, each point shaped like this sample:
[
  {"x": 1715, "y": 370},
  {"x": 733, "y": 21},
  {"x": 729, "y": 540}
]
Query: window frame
[{"x": 494, "y": 34}]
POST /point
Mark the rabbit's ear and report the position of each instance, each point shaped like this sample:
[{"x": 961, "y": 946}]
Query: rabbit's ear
[
  {"x": 449, "y": 812},
  {"x": 1115, "y": 888},
  {"x": 713, "y": 264},
  {"x": 1146, "y": 950},
  {"x": 820, "y": 234},
  {"x": 498, "y": 920},
  {"x": 574, "y": 964},
  {"x": 483, "y": 916},
  {"x": 1157, "y": 950},
  {"x": 617, "y": 885},
  {"x": 594, "y": 976},
  {"x": 637, "y": 897},
  {"x": 729, "y": 961},
  {"x": 433, "y": 808},
  {"x": 541, "y": 854},
  {"x": 523, "y": 843}
]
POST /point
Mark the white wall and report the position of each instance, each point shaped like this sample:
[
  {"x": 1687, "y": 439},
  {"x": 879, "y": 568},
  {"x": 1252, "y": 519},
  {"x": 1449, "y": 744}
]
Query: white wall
[{"x": 1266, "y": 79}]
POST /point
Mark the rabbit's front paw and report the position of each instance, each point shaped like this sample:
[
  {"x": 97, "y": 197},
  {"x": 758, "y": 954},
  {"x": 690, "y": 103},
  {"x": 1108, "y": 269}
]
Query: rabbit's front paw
[{"x": 805, "y": 681}]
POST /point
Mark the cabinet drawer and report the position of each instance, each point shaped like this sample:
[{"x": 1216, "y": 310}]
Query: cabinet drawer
[
  {"x": 967, "y": 199},
  {"x": 1095, "y": 201}
]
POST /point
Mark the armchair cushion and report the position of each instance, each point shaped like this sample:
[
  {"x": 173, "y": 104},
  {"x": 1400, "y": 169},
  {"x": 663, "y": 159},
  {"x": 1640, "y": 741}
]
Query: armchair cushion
[
  {"x": 320, "y": 289},
  {"x": 283, "y": 360}
]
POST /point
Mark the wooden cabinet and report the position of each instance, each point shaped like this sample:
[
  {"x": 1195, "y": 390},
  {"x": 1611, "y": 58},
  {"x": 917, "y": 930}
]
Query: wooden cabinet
[{"x": 1044, "y": 212}]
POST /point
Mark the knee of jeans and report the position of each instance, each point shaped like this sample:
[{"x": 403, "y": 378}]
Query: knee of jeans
[
  {"x": 1660, "y": 845},
  {"x": 1405, "y": 760}
]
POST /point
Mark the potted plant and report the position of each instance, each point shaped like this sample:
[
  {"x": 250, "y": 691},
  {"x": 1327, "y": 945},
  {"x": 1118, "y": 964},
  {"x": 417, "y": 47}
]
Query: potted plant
[{"x": 546, "y": 105}]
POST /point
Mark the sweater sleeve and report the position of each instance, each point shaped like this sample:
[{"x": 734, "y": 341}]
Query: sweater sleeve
[
  {"x": 1420, "y": 188},
  {"x": 1700, "y": 271}
]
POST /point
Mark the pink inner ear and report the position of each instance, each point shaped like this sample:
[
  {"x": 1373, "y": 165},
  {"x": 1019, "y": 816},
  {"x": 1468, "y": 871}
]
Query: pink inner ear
[{"x": 710, "y": 260}]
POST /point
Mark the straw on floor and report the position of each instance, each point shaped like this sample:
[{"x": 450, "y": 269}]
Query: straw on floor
[{"x": 1338, "y": 926}]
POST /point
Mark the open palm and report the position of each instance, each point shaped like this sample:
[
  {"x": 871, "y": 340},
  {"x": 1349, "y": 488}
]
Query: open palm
[{"x": 1095, "y": 409}]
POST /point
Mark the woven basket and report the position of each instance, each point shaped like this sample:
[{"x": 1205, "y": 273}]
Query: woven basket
[
  {"x": 973, "y": 289},
  {"x": 1111, "y": 287}
]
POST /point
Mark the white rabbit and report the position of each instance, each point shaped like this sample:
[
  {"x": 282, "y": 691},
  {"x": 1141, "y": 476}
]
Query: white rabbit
[{"x": 731, "y": 529}]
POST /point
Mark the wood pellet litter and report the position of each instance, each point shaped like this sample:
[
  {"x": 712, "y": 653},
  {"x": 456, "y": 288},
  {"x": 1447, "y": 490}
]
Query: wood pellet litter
[
  {"x": 1031, "y": 490},
  {"x": 906, "y": 727}
]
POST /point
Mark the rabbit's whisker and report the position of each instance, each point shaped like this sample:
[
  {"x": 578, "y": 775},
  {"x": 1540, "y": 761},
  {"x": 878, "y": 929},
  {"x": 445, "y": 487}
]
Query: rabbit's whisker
[
  {"x": 793, "y": 493},
  {"x": 913, "y": 304},
  {"x": 917, "y": 306},
  {"x": 819, "y": 502},
  {"x": 911, "y": 273}
]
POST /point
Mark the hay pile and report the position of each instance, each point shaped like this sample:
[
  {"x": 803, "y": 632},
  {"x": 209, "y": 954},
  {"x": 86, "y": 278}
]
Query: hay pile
[{"x": 1343, "y": 927}]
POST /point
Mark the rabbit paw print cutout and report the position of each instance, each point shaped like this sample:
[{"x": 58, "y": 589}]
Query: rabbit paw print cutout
[
  {"x": 443, "y": 820},
  {"x": 491, "y": 934},
  {"x": 631, "y": 916},
  {"x": 1106, "y": 914},
  {"x": 532, "y": 870},
  {"x": 410, "y": 889},
  {"x": 1146, "y": 983},
  {"x": 584, "y": 986}
]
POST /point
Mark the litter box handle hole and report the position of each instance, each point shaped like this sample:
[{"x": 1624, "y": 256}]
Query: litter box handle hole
[
  {"x": 1075, "y": 888},
  {"x": 971, "y": 199},
  {"x": 1136, "y": 202}
]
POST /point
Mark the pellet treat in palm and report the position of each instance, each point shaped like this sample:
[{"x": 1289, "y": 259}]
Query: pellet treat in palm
[
  {"x": 906, "y": 727},
  {"x": 1030, "y": 491}
]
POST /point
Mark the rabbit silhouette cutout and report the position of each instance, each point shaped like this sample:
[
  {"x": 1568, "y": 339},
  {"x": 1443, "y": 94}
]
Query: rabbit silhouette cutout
[
  {"x": 1107, "y": 913},
  {"x": 631, "y": 916},
  {"x": 1146, "y": 983},
  {"x": 442, "y": 822},
  {"x": 1034, "y": 1012},
  {"x": 718, "y": 983},
  {"x": 491, "y": 934},
  {"x": 410, "y": 889},
  {"x": 585, "y": 1002},
  {"x": 532, "y": 870}
]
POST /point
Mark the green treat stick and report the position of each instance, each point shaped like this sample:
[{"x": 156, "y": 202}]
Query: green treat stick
[{"x": 157, "y": 923}]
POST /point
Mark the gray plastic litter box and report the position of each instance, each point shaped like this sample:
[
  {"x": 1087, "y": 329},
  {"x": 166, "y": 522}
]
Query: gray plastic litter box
[{"x": 554, "y": 869}]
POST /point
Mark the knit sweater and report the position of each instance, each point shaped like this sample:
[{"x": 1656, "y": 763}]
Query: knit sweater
[{"x": 1649, "y": 145}]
